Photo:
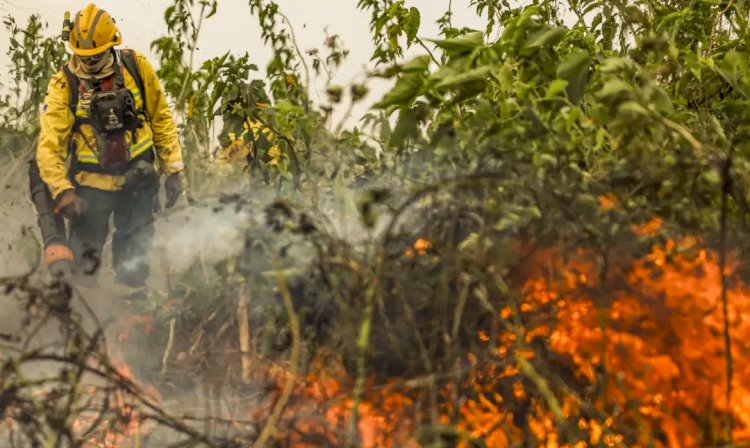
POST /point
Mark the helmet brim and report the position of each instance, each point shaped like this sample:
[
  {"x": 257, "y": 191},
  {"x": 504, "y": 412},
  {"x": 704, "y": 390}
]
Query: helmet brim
[{"x": 94, "y": 51}]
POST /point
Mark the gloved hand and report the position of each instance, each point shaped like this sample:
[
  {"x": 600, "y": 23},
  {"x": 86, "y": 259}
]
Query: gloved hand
[
  {"x": 173, "y": 186},
  {"x": 69, "y": 205}
]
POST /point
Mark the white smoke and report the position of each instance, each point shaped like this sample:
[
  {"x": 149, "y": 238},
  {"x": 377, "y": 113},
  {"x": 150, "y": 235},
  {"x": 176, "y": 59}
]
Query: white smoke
[{"x": 199, "y": 233}]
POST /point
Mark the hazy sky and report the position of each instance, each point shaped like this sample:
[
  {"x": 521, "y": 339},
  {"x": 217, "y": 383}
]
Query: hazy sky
[{"x": 234, "y": 29}]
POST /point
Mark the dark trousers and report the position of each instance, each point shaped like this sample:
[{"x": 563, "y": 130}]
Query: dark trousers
[{"x": 133, "y": 233}]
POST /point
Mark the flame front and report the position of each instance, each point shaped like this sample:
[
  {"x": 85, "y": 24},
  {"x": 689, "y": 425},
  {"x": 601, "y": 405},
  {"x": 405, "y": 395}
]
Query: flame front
[
  {"x": 634, "y": 356},
  {"x": 642, "y": 350},
  {"x": 647, "y": 345}
]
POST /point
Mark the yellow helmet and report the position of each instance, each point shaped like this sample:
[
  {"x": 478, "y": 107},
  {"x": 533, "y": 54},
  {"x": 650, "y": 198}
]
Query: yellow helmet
[{"x": 93, "y": 32}]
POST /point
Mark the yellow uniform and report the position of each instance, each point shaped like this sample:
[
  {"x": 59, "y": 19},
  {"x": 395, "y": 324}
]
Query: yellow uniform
[
  {"x": 238, "y": 149},
  {"x": 58, "y": 137},
  {"x": 88, "y": 187}
]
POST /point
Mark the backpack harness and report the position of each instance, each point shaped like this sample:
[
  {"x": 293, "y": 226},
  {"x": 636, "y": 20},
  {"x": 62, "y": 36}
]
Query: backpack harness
[{"x": 112, "y": 113}]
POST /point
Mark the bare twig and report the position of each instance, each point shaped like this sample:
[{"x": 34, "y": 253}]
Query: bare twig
[
  {"x": 347, "y": 115},
  {"x": 725, "y": 191},
  {"x": 243, "y": 321},
  {"x": 168, "y": 349},
  {"x": 363, "y": 343},
  {"x": 296, "y": 48},
  {"x": 684, "y": 133},
  {"x": 193, "y": 47},
  {"x": 715, "y": 27},
  {"x": 541, "y": 383}
]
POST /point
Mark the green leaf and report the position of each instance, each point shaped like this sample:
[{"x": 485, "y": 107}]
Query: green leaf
[
  {"x": 572, "y": 117},
  {"x": 711, "y": 176},
  {"x": 661, "y": 100},
  {"x": 614, "y": 88},
  {"x": 634, "y": 14},
  {"x": 733, "y": 68},
  {"x": 477, "y": 74},
  {"x": 405, "y": 90},
  {"x": 412, "y": 25},
  {"x": 575, "y": 69},
  {"x": 470, "y": 243},
  {"x": 405, "y": 127},
  {"x": 506, "y": 76},
  {"x": 544, "y": 38},
  {"x": 633, "y": 109},
  {"x": 443, "y": 73},
  {"x": 542, "y": 159},
  {"x": 168, "y": 13},
  {"x": 212, "y": 12},
  {"x": 418, "y": 64},
  {"x": 733, "y": 61},
  {"x": 461, "y": 45},
  {"x": 596, "y": 22},
  {"x": 608, "y": 32},
  {"x": 556, "y": 87},
  {"x": 601, "y": 134},
  {"x": 469, "y": 90},
  {"x": 507, "y": 222},
  {"x": 617, "y": 65}
]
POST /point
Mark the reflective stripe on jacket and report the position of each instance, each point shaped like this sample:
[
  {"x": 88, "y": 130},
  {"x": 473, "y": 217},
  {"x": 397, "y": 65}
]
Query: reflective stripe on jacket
[{"x": 56, "y": 134}]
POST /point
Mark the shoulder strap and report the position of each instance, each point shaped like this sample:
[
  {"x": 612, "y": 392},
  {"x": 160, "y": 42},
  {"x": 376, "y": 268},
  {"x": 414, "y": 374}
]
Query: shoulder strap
[
  {"x": 73, "y": 89},
  {"x": 130, "y": 63}
]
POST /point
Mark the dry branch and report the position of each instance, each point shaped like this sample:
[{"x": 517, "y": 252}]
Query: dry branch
[
  {"x": 286, "y": 393},
  {"x": 243, "y": 321},
  {"x": 168, "y": 349}
]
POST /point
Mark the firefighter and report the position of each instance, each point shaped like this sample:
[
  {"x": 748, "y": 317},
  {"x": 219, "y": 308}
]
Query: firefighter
[
  {"x": 106, "y": 133},
  {"x": 242, "y": 149}
]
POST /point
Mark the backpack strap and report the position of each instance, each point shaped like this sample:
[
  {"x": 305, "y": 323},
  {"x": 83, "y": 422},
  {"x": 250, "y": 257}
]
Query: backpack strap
[
  {"x": 130, "y": 63},
  {"x": 74, "y": 86},
  {"x": 73, "y": 91}
]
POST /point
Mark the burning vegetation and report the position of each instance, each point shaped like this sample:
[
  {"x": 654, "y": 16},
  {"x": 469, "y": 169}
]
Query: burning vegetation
[
  {"x": 568, "y": 353},
  {"x": 534, "y": 239}
]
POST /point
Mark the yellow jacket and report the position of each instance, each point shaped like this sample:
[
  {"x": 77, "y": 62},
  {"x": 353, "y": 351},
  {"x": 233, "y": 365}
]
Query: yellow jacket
[
  {"x": 238, "y": 149},
  {"x": 159, "y": 135}
]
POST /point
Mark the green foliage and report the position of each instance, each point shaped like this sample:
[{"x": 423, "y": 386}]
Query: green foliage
[
  {"x": 34, "y": 58},
  {"x": 283, "y": 70},
  {"x": 579, "y": 112},
  {"x": 390, "y": 22}
]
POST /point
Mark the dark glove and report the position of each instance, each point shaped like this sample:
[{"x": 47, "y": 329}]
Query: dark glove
[
  {"x": 173, "y": 186},
  {"x": 69, "y": 205}
]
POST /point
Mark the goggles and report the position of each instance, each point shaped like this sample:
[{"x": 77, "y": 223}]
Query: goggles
[{"x": 93, "y": 61}]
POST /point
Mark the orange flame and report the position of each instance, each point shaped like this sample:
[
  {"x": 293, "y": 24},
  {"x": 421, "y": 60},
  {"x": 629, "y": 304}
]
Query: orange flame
[{"x": 650, "y": 343}]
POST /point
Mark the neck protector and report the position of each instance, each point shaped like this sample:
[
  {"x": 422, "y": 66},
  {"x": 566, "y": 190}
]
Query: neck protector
[{"x": 102, "y": 69}]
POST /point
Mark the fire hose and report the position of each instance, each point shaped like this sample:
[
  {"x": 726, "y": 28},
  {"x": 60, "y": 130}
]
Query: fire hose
[{"x": 57, "y": 254}]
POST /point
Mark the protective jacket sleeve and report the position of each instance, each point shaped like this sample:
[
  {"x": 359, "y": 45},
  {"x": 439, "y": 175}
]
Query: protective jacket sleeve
[
  {"x": 166, "y": 142},
  {"x": 56, "y": 122}
]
